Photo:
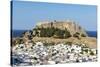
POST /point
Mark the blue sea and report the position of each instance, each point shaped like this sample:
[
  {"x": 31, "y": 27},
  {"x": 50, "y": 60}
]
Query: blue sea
[
  {"x": 18, "y": 33},
  {"x": 92, "y": 33}
]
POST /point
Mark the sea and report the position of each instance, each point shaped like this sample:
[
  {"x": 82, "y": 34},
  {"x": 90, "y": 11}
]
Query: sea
[{"x": 18, "y": 33}]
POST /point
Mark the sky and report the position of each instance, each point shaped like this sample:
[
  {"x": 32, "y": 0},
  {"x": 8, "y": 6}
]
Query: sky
[{"x": 26, "y": 15}]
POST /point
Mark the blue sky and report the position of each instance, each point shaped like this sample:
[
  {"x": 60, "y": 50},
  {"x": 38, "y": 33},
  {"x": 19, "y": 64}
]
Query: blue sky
[{"x": 27, "y": 14}]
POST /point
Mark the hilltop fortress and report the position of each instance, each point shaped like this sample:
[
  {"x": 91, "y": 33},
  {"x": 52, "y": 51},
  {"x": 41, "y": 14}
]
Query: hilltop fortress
[
  {"x": 56, "y": 32},
  {"x": 71, "y": 26}
]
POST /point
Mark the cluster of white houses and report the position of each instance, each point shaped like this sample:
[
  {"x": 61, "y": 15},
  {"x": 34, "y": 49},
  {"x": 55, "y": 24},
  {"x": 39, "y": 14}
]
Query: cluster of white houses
[{"x": 38, "y": 54}]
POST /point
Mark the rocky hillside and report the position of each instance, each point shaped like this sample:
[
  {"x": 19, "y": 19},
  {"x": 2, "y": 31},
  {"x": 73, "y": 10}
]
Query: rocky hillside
[
  {"x": 71, "y": 26},
  {"x": 56, "y": 32}
]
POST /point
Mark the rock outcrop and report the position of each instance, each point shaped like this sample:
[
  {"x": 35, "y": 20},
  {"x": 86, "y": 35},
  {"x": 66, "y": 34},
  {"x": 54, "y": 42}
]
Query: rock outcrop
[{"x": 71, "y": 26}]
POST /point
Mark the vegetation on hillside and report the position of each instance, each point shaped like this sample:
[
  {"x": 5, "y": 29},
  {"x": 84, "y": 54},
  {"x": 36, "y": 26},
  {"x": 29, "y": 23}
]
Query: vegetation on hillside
[{"x": 52, "y": 32}]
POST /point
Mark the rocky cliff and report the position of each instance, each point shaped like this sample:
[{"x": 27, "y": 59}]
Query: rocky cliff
[{"x": 71, "y": 26}]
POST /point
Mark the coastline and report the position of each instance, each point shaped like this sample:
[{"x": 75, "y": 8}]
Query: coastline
[{"x": 17, "y": 33}]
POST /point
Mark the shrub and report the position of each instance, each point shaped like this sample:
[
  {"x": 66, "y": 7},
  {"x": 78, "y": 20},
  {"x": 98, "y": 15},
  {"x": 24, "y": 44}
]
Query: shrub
[
  {"x": 69, "y": 43},
  {"x": 76, "y": 35},
  {"x": 18, "y": 41},
  {"x": 81, "y": 52},
  {"x": 67, "y": 34},
  {"x": 83, "y": 35},
  {"x": 51, "y": 31},
  {"x": 47, "y": 32},
  {"x": 36, "y": 32},
  {"x": 59, "y": 33},
  {"x": 43, "y": 32},
  {"x": 49, "y": 44},
  {"x": 91, "y": 53},
  {"x": 86, "y": 50}
]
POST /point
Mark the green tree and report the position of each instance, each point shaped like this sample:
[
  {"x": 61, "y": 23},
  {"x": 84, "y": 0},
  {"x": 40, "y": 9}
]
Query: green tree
[
  {"x": 83, "y": 35},
  {"x": 91, "y": 53},
  {"x": 43, "y": 32},
  {"x": 67, "y": 34},
  {"x": 47, "y": 32},
  {"x": 76, "y": 35},
  {"x": 50, "y": 31},
  {"x": 59, "y": 33}
]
